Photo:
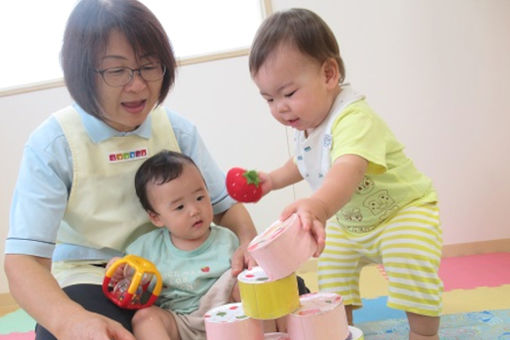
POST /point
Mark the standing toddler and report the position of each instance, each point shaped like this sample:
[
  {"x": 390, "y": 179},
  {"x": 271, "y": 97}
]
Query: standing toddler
[{"x": 376, "y": 207}]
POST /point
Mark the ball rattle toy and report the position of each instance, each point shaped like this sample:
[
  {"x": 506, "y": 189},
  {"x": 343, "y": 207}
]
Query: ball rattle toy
[{"x": 130, "y": 292}]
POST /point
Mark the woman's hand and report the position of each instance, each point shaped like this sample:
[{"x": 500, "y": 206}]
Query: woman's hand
[
  {"x": 91, "y": 326},
  {"x": 51, "y": 307}
]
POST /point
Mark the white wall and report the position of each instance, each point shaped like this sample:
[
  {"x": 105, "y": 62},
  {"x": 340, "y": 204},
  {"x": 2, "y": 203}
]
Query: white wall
[{"x": 437, "y": 71}]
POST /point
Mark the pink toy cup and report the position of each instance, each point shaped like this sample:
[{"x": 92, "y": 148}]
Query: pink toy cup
[
  {"x": 276, "y": 336},
  {"x": 265, "y": 299},
  {"x": 320, "y": 317},
  {"x": 282, "y": 248},
  {"x": 228, "y": 322}
]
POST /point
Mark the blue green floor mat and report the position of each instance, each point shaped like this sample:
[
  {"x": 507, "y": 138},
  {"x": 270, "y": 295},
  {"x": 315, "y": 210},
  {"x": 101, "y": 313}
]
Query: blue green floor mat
[
  {"x": 485, "y": 325},
  {"x": 376, "y": 310}
]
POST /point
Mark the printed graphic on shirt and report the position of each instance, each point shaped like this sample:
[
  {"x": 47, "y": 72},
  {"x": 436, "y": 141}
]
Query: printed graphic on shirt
[
  {"x": 327, "y": 141},
  {"x": 381, "y": 204},
  {"x": 185, "y": 280},
  {"x": 352, "y": 215},
  {"x": 366, "y": 185}
]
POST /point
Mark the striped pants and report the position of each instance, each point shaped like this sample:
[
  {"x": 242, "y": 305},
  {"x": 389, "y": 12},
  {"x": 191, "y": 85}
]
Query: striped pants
[{"x": 409, "y": 247}]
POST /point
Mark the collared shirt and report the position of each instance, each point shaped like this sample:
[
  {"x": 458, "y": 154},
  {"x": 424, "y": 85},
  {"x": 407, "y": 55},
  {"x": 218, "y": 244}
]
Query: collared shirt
[
  {"x": 391, "y": 181},
  {"x": 46, "y": 173}
]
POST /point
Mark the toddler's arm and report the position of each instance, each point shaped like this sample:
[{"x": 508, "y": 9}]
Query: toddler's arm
[
  {"x": 339, "y": 184},
  {"x": 279, "y": 178}
]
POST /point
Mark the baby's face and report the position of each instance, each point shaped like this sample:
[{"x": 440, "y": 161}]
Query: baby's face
[
  {"x": 296, "y": 87},
  {"x": 184, "y": 207}
]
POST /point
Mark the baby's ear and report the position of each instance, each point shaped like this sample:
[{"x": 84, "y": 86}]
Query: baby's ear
[
  {"x": 331, "y": 71},
  {"x": 155, "y": 219}
]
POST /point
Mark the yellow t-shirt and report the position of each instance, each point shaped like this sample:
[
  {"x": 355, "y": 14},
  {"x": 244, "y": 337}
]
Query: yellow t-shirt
[{"x": 391, "y": 181}]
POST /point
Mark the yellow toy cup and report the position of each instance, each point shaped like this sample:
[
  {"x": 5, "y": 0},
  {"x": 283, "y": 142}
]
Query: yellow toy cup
[{"x": 267, "y": 299}]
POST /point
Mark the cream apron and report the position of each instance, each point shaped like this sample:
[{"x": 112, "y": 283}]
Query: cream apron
[{"x": 103, "y": 212}]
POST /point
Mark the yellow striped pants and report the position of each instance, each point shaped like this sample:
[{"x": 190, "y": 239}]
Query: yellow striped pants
[{"x": 409, "y": 247}]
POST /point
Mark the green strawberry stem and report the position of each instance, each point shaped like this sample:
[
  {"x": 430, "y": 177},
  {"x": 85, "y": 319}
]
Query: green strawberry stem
[{"x": 252, "y": 177}]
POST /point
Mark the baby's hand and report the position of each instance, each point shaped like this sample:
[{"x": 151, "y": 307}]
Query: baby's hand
[
  {"x": 235, "y": 295},
  {"x": 112, "y": 260},
  {"x": 241, "y": 259},
  {"x": 313, "y": 216}
]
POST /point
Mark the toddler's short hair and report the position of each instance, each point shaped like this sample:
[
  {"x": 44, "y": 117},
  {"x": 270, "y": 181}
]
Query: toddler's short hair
[{"x": 299, "y": 27}]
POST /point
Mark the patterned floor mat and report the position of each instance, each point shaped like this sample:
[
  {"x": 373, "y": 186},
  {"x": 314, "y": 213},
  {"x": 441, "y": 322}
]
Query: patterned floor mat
[{"x": 485, "y": 325}]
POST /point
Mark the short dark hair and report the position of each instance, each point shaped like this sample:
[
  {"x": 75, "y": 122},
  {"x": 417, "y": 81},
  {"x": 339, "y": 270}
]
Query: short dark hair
[
  {"x": 86, "y": 36},
  {"x": 159, "y": 169},
  {"x": 301, "y": 28}
]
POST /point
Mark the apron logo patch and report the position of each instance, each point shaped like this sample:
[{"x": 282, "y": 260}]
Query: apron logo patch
[{"x": 123, "y": 156}]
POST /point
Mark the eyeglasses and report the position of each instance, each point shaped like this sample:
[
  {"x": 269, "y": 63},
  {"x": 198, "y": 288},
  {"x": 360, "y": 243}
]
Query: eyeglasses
[{"x": 120, "y": 76}]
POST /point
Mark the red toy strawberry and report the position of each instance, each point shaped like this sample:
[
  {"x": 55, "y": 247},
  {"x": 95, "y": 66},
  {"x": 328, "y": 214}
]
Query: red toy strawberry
[{"x": 243, "y": 185}]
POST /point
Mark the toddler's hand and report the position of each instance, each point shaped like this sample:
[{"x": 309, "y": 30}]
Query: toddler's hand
[
  {"x": 265, "y": 182},
  {"x": 313, "y": 216},
  {"x": 319, "y": 233}
]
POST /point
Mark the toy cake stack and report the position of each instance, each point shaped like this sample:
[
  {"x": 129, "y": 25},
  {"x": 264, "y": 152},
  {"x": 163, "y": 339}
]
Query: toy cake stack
[
  {"x": 270, "y": 291},
  {"x": 276, "y": 336},
  {"x": 266, "y": 299},
  {"x": 318, "y": 318},
  {"x": 282, "y": 248},
  {"x": 229, "y": 322}
]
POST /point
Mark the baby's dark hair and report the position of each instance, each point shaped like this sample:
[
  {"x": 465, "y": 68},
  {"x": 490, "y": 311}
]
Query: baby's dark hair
[
  {"x": 301, "y": 28},
  {"x": 159, "y": 169}
]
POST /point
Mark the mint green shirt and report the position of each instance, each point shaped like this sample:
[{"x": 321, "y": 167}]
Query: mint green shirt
[{"x": 187, "y": 275}]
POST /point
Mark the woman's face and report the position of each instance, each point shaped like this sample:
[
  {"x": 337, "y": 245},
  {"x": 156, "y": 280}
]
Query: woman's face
[{"x": 126, "y": 107}]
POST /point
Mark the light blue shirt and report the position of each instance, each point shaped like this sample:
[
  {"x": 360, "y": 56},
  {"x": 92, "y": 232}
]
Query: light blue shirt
[
  {"x": 45, "y": 181},
  {"x": 187, "y": 275}
]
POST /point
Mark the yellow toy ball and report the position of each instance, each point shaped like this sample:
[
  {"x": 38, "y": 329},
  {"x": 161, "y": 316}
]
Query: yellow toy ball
[{"x": 130, "y": 292}]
